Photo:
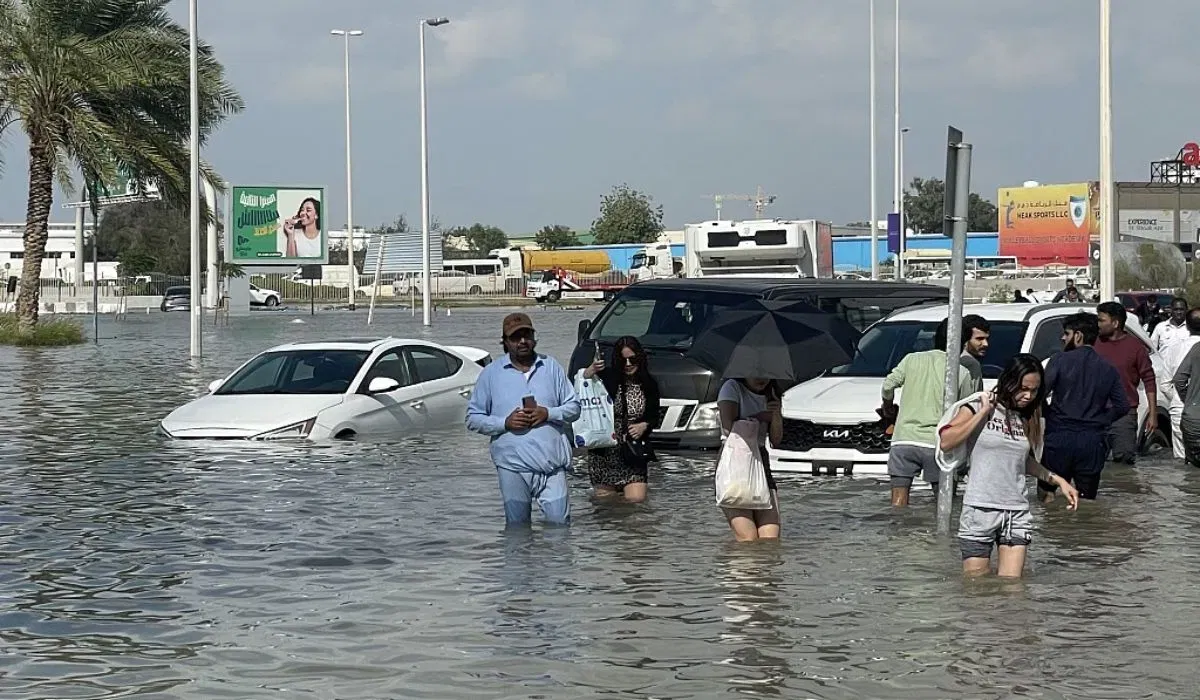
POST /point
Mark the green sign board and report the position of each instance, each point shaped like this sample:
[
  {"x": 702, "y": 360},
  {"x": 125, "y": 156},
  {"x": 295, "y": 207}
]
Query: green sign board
[{"x": 277, "y": 226}]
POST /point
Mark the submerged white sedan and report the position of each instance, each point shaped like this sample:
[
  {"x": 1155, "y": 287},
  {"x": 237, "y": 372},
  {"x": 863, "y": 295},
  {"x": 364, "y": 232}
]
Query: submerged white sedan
[{"x": 335, "y": 389}]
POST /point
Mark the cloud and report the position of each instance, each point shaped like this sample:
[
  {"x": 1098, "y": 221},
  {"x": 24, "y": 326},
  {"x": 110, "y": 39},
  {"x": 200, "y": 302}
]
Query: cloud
[
  {"x": 490, "y": 33},
  {"x": 540, "y": 86}
]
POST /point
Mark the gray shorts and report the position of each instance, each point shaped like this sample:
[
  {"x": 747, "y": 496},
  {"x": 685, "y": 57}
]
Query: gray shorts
[
  {"x": 906, "y": 461},
  {"x": 979, "y": 529}
]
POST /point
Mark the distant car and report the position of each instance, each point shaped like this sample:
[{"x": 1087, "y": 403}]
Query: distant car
[
  {"x": 335, "y": 389},
  {"x": 263, "y": 297},
  {"x": 176, "y": 299}
]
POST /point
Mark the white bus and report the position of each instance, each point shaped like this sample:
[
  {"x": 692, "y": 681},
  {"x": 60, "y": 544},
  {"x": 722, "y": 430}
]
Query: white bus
[{"x": 473, "y": 277}]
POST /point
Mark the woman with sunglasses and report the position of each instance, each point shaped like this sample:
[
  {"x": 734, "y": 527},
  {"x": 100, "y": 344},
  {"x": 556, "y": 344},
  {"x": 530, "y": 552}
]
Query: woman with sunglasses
[{"x": 623, "y": 469}]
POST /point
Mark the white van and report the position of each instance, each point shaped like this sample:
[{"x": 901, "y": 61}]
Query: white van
[{"x": 830, "y": 425}]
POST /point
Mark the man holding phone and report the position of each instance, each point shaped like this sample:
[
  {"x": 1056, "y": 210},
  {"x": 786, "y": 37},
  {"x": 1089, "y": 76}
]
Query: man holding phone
[{"x": 525, "y": 404}]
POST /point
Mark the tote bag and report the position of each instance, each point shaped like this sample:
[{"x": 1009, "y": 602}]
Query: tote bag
[
  {"x": 595, "y": 427},
  {"x": 741, "y": 481}
]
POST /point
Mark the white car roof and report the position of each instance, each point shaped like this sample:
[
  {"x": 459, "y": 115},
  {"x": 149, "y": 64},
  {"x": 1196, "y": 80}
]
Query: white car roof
[
  {"x": 350, "y": 344},
  {"x": 1015, "y": 311}
]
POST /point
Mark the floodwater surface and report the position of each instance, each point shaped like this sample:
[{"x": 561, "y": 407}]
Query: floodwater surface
[{"x": 133, "y": 566}]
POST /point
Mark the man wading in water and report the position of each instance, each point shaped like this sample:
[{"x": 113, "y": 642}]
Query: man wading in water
[
  {"x": 914, "y": 439},
  {"x": 524, "y": 403}
]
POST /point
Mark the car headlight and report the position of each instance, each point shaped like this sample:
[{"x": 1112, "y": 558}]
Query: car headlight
[
  {"x": 295, "y": 430},
  {"x": 706, "y": 417}
]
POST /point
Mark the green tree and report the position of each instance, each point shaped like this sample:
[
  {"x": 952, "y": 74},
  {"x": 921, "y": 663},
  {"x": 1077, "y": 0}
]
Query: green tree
[
  {"x": 146, "y": 237},
  {"x": 924, "y": 203},
  {"x": 627, "y": 216},
  {"x": 480, "y": 239},
  {"x": 101, "y": 87},
  {"x": 556, "y": 236}
]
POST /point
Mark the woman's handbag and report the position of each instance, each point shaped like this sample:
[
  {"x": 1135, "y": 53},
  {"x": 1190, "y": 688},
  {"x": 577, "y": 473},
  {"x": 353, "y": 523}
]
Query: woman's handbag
[{"x": 634, "y": 452}]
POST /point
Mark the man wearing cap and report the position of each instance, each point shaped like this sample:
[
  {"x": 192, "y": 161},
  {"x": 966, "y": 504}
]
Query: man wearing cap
[{"x": 525, "y": 404}]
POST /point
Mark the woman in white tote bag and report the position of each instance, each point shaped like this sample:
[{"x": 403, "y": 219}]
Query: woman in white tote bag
[{"x": 754, "y": 399}]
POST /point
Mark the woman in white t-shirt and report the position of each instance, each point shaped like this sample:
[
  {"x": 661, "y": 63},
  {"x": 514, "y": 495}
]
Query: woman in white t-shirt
[
  {"x": 749, "y": 399},
  {"x": 302, "y": 232}
]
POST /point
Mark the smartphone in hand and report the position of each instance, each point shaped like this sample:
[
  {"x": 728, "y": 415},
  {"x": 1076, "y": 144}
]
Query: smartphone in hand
[{"x": 528, "y": 403}]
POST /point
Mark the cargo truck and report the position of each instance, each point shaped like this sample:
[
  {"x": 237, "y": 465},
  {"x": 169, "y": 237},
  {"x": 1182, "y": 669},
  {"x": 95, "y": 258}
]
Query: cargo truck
[{"x": 759, "y": 248}]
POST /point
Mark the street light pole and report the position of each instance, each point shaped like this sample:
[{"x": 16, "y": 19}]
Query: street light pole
[
  {"x": 196, "y": 305},
  {"x": 898, "y": 194},
  {"x": 351, "y": 272},
  {"x": 874, "y": 192},
  {"x": 1108, "y": 209},
  {"x": 426, "y": 316}
]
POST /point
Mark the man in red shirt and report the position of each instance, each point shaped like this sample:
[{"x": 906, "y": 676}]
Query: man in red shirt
[{"x": 1132, "y": 361}]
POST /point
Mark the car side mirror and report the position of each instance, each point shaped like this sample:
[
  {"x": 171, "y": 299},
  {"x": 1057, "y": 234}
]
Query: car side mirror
[
  {"x": 584, "y": 326},
  {"x": 214, "y": 385},
  {"x": 382, "y": 385}
]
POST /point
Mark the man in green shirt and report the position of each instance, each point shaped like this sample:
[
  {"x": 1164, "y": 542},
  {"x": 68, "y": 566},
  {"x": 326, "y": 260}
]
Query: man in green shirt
[{"x": 923, "y": 378}]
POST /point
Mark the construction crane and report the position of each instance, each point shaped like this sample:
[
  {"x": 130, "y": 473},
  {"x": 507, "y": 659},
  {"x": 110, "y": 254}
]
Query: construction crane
[{"x": 759, "y": 198}]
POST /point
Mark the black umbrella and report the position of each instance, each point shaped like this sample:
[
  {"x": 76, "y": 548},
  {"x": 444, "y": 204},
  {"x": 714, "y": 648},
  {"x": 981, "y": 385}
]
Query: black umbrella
[{"x": 788, "y": 341}]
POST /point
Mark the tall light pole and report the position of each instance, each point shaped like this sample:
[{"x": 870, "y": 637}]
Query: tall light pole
[
  {"x": 898, "y": 195},
  {"x": 1108, "y": 207},
  {"x": 196, "y": 305},
  {"x": 874, "y": 193},
  {"x": 426, "y": 316},
  {"x": 352, "y": 274}
]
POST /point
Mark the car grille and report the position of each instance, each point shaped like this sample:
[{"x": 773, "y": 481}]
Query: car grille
[
  {"x": 803, "y": 435},
  {"x": 685, "y": 416}
]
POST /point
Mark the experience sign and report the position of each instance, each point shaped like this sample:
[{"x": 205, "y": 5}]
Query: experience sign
[{"x": 277, "y": 226}]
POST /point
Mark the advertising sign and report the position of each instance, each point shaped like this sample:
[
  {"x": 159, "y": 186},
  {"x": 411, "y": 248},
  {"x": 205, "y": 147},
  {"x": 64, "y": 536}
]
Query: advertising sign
[
  {"x": 893, "y": 233},
  {"x": 270, "y": 225},
  {"x": 1048, "y": 223},
  {"x": 1158, "y": 224}
]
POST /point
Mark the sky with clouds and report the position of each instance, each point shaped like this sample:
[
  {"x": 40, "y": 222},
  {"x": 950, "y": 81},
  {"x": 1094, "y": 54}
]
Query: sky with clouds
[{"x": 538, "y": 107}]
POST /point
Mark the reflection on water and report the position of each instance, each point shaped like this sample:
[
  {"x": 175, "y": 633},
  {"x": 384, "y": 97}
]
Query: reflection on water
[{"x": 381, "y": 568}]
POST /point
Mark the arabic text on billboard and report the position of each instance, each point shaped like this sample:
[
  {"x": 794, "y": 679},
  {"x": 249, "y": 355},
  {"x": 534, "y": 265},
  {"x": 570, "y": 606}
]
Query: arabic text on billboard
[
  {"x": 1048, "y": 223},
  {"x": 277, "y": 226}
]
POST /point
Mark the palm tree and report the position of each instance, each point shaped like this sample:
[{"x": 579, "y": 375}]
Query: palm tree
[{"x": 100, "y": 87}]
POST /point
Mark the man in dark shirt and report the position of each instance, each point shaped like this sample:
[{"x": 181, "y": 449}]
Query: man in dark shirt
[
  {"x": 1132, "y": 360},
  {"x": 1085, "y": 398}
]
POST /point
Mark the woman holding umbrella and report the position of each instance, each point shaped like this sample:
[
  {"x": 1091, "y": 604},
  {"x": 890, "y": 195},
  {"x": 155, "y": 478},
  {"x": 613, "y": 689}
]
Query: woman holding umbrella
[{"x": 754, "y": 398}]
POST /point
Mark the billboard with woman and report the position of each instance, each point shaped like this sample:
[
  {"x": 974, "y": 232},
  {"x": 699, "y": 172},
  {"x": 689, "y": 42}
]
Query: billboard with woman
[{"x": 271, "y": 225}]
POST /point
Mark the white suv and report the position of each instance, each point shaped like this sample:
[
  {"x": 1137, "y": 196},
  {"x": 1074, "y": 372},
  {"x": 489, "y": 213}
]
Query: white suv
[{"x": 830, "y": 426}]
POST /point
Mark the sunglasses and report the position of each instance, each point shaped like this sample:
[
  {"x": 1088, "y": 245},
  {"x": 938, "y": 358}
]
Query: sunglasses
[{"x": 629, "y": 361}]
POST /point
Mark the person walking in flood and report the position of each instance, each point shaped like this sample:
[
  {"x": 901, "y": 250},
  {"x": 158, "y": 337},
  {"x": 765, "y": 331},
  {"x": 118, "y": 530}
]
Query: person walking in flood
[
  {"x": 922, "y": 375},
  {"x": 1187, "y": 387},
  {"x": 624, "y": 469},
  {"x": 754, "y": 399},
  {"x": 1003, "y": 432},
  {"x": 1172, "y": 340},
  {"x": 975, "y": 334},
  {"x": 1131, "y": 359},
  {"x": 525, "y": 404},
  {"x": 1086, "y": 397}
]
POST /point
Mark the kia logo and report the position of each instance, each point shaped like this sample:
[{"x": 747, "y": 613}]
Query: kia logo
[{"x": 836, "y": 434}]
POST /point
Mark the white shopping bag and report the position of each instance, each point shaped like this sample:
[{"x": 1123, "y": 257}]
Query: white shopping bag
[
  {"x": 595, "y": 427},
  {"x": 741, "y": 480}
]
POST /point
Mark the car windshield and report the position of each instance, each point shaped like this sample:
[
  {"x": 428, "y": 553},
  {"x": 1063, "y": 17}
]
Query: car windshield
[
  {"x": 662, "y": 318},
  {"x": 178, "y": 291},
  {"x": 885, "y": 344},
  {"x": 297, "y": 372}
]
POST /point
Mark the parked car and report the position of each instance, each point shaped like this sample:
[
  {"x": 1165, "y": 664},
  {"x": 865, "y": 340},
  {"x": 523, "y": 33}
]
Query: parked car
[
  {"x": 176, "y": 299},
  {"x": 335, "y": 389},
  {"x": 830, "y": 426},
  {"x": 263, "y": 297}
]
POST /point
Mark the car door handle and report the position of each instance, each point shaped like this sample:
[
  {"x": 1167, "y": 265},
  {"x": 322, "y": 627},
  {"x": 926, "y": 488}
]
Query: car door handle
[
  {"x": 465, "y": 392},
  {"x": 417, "y": 404}
]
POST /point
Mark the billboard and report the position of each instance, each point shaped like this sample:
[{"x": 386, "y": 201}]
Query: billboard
[
  {"x": 1158, "y": 224},
  {"x": 1048, "y": 223},
  {"x": 401, "y": 252},
  {"x": 273, "y": 225}
]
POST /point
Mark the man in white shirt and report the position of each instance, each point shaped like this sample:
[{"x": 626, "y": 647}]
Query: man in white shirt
[{"x": 1172, "y": 339}]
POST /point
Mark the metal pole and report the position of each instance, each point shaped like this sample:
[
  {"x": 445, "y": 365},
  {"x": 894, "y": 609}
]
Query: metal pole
[
  {"x": 426, "y": 315},
  {"x": 79, "y": 262},
  {"x": 958, "y": 258},
  {"x": 1108, "y": 285},
  {"x": 95, "y": 277},
  {"x": 212, "y": 267},
  {"x": 350, "y": 270},
  {"x": 197, "y": 305},
  {"x": 897, "y": 197},
  {"x": 874, "y": 193},
  {"x": 378, "y": 271}
]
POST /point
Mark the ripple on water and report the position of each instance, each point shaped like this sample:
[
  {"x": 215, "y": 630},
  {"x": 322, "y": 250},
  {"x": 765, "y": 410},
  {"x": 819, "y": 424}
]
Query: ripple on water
[{"x": 380, "y": 568}]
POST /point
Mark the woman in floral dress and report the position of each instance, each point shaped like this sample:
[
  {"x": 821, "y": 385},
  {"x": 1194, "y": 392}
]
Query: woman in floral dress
[{"x": 623, "y": 469}]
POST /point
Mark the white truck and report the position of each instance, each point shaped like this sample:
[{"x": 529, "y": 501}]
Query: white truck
[{"x": 758, "y": 248}]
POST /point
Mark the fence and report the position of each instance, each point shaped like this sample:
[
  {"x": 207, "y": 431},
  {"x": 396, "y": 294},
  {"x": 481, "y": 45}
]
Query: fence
[{"x": 393, "y": 288}]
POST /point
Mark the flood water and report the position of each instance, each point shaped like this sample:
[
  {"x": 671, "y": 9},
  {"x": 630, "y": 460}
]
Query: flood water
[{"x": 130, "y": 566}]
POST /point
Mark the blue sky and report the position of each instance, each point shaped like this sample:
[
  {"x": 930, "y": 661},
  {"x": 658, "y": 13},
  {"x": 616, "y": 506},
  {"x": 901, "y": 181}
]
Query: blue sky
[{"x": 538, "y": 107}]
